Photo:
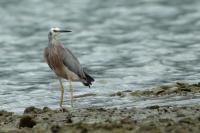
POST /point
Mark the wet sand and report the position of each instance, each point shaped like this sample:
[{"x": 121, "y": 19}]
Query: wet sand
[{"x": 153, "y": 119}]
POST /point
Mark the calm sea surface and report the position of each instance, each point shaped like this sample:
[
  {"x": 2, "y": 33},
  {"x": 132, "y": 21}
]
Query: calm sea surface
[{"x": 124, "y": 45}]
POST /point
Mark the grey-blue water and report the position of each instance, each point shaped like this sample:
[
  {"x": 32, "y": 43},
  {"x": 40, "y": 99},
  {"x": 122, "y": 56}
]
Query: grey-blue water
[{"x": 124, "y": 44}]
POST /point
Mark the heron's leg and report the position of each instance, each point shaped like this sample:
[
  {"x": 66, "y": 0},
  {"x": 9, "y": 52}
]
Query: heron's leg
[
  {"x": 62, "y": 92},
  {"x": 71, "y": 92}
]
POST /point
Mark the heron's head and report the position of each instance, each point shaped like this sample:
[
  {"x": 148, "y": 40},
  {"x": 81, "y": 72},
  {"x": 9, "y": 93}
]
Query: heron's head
[{"x": 56, "y": 31}]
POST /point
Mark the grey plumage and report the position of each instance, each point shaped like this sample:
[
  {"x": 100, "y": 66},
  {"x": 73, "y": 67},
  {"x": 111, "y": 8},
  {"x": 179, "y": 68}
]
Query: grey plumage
[
  {"x": 65, "y": 57},
  {"x": 63, "y": 62}
]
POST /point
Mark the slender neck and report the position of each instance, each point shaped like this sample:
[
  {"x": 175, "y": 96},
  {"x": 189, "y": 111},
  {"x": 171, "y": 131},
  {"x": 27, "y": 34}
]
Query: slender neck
[{"x": 52, "y": 39}]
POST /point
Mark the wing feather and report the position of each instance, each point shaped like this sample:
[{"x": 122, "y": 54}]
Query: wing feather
[
  {"x": 71, "y": 62},
  {"x": 58, "y": 55}
]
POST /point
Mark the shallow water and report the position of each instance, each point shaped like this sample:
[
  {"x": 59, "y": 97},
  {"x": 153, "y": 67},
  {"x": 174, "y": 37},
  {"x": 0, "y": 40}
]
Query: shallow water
[{"x": 124, "y": 45}]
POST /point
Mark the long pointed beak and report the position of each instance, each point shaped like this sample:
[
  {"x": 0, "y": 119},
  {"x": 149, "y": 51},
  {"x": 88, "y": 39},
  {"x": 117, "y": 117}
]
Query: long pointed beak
[{"x": 64, "y": 31}]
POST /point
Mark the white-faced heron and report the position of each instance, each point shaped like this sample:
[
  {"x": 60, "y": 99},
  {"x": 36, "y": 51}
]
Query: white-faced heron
[{"x": 64, "y": 63}]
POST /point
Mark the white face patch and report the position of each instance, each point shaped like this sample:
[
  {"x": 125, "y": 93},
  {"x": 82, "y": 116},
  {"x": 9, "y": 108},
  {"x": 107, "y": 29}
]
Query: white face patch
[
  {"x": 52, "y": 30},
  {"x": 55, "y": 29}
]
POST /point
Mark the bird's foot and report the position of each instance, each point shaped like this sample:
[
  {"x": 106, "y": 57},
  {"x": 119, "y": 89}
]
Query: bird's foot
[{"x": 62, "y": 109}]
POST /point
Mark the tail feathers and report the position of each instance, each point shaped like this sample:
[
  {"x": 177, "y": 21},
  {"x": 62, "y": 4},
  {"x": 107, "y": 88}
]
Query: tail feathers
[{"x": 88, "y": 80}]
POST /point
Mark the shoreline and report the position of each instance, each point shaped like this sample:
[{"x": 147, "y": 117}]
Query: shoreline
[{"x": 152, "y": 119}]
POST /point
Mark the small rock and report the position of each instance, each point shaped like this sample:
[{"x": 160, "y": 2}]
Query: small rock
[
  {"x": 26, "y": 121},
  {"x": 172, "y": 90},
  {"x": 32, "y": 109},
  {"x": 69, "y": 119},
  {"x": 153, "y": 107},
  {"x": 84, "y": 130},
  {"x": 147, "y": 92},
  {"x": 181, "y": 84},
  {"x": 186, "y": 89},
  {"x": 55, "y": 128},
  {"x": 197, "y": 85},
  {"x": 61, "y": 110},
  {"x": 158, "y": 91},
  {"x": 136, "y": 93},
  {"x": 46, "y": 109},
  {"x": 120, "y": 94}
]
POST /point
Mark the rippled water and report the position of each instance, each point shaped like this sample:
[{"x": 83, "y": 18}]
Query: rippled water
[{"x": 123, "y": 44}]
